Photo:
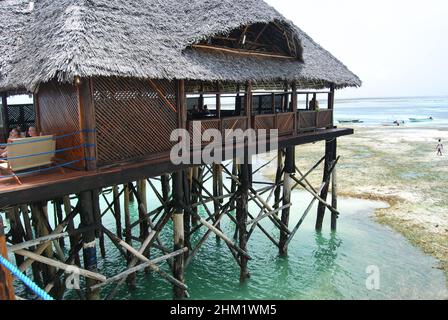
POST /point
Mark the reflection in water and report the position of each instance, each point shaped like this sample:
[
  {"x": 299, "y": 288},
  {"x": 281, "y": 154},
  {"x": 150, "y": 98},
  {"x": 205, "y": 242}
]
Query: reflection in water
[{"x": 326, "y": 251}]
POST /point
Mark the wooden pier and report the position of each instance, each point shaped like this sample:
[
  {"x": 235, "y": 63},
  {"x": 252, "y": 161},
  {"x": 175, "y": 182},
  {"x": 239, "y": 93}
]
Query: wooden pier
[{"x": 113, "y": 118}]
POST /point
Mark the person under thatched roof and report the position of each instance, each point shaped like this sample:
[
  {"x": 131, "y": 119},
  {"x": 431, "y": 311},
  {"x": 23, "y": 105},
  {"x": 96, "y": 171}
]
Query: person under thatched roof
[{"x": 65, "y": 39}]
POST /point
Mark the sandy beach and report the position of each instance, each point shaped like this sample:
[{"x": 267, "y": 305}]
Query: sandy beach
[{"x": 397, "y": 165}]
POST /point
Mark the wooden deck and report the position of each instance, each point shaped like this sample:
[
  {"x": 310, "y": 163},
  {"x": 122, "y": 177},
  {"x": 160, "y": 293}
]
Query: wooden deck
[{"x": 54, "y": 184}]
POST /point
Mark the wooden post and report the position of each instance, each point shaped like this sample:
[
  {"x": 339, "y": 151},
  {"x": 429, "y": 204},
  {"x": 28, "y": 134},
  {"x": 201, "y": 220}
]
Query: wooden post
[
  {"x": 29, "y": 236},
  {"x": 286, "y": 98},
  {"x": 278, "y": 179},
  {"x": 334, "y": 190},
  {"x": 6, "y": 286},
  {"x": 181, "y": 104},
  {"x": 17, "y": 233},
  {"x": 117, "y": 211},
  {"x": 238, "y": 101},
  {"x": 87, "y": 122},
  {"x": 58, "y": 208},
  {"x": 40, "y": 220},
  {"x": 178, "y": 230},
  {"x": 128, "y": 233},
  {"x": 218, "y": 101},
  {"x": 331, "y": 97},
  {"x": 294, "y": 107},
  {"x": 5, "y": 116},
  {"x": 74, "y": 239},
  {"x": 248, "y": 103},
  {"x": 218, "y": 187},
  {"x": 197, "y": 175},
  {"x": 233, "y": 187},
  {"x": 37, "y": 124},
  {"x": 98, "y": 221},
  {"x": 89, "y": 242},
  {"x": 164, "y": 180},
  {"x": 327, "y": 165},
  {"x": 187, "y": 176},
  {"x": 287, "y": 187},
  {"x": 143, "y": 210},
  {"x": 242, "y": 213}
]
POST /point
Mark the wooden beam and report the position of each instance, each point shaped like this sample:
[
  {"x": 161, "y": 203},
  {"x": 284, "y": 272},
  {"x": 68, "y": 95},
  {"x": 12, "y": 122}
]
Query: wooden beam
[
  {"x": 181, "y": 104},
  {"x": 162, "y": 95},
  {"x": 59, "y": 265},
  {"x": 49, "y": 189},
  {"x": 5, "y": 116},
  {"x": 6, "y": 284},
  {"x": 248, "y": 103},
  {"x": 243, "y": 52},
  {"x": 87, "y": 122}
]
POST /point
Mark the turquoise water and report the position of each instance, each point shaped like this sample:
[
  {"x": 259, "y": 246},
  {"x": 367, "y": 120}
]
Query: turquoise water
[{"x": 318, "y": 266}]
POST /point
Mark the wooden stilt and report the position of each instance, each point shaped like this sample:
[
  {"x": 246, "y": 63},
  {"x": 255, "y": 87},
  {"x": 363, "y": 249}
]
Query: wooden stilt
[
  {"x": 29, "y": 236},
  {"x": 98, "y": 221},
  {"x": 74, "y": 239},
  {"x": 117, "y": 211},
  {"x": 164, "y": 180},
  {"x": 241, "y": 215},
  {"x": 287, "y": 186},
  {"x": 233, "y": 184},
  {"x": 6, "y": 285},
  {"x": 217, "y": 190},
  {"x": 89, "y": 241},
  {"x": 40, "y": 220},
  {"x": 334, "y": 190},
  {"x": 178, "y": 229},
  {"x": 278, "y": 178},
  {"x": 143, "y": 209},
  {"x": 187, "y": 213},
  {"x": 58, "y": 210},
  {"x": 131, "y": 195},
  {"x": 128, "y": 233},
  {"x": 327, "y": 166},
  {"x": 17, "y": 233}
]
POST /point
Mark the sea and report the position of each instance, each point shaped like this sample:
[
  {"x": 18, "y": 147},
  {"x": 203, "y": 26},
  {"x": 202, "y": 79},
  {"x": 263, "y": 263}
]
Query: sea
[{"x": 385, "y": 111}]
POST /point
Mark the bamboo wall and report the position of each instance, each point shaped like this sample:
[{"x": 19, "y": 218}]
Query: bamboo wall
[
  {"x": 134, "y": 118},
  {"x": 59, "y": 115}
]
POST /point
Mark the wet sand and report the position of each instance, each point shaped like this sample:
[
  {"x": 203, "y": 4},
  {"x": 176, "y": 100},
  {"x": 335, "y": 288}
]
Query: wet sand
[{"x": 397, "y": 165}]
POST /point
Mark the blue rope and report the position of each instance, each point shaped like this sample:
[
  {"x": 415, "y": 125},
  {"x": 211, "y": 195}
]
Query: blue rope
[
  {"x": 27, "y": 281},
  {"x": 48, "y": 169},
  {"x": 51, "y": 152},
  {"x": 53, "y": 138}
]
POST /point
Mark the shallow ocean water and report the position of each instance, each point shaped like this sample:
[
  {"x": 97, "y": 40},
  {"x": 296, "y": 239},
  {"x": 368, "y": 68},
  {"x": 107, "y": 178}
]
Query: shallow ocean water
[
  {"x": 323, "y": 265},
  {"x": 327, "y": 265}
]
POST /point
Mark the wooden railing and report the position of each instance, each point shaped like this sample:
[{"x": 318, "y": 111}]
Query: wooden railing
[
  {"x": 223, "y": 124},
  {"x": 284, "y": 122},
  {"x": 310, "y": 120}
]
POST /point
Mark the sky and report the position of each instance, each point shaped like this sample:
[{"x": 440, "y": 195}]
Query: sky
[{"x": 397, "y": 47}]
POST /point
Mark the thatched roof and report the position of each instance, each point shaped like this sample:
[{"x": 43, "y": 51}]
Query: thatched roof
[{"x": 147, "y": 39}]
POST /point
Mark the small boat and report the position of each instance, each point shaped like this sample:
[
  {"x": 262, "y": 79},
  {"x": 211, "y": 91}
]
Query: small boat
[
  {"x": 395, "y": 123},
  {"x": 351, "y": 121},
  {"x": 421, "y": 119}
]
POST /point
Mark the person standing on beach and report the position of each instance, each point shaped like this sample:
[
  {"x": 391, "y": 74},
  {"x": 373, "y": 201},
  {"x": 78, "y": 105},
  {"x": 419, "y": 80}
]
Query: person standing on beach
[{"x": 440, "y": 148}]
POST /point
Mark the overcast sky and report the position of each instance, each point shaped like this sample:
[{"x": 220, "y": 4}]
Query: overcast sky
[{"x": 396, "y": 47}]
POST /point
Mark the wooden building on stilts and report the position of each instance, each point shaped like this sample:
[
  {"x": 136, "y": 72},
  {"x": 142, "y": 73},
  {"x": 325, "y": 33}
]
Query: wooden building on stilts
[{"x": 111, "y": 81}]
